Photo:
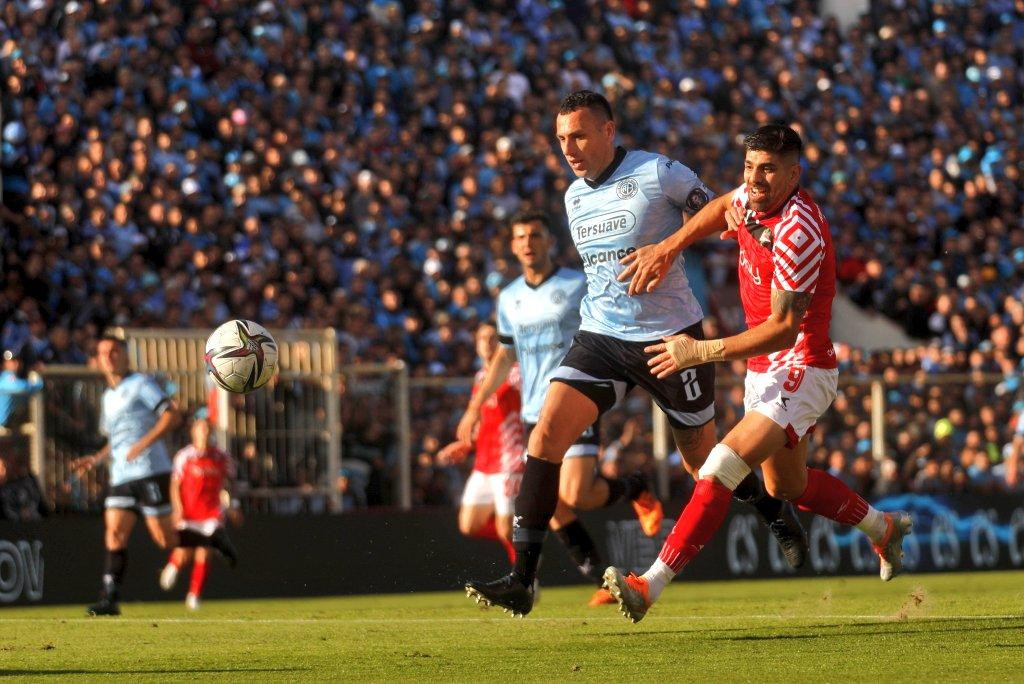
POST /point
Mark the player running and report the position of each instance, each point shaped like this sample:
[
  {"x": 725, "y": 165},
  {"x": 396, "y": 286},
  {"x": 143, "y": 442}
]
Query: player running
[
  {"x": 538, "y": 314},
  {"x": 620, "y": 200},
  {"x": 486, "y": 509},
  {"x": 136, "y": 415},
  {"x": 202, "y": 474},
  {"x": 787, "y": 282}
]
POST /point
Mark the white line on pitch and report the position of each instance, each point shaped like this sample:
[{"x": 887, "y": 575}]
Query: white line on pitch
[{"x": 498, "y": 617}]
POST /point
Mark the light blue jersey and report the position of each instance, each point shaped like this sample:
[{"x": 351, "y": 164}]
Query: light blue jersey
[
  {"x": 129, "y": 411},
  {"x": 638, "y": 201},
  {"x": 540, "y": 323}
]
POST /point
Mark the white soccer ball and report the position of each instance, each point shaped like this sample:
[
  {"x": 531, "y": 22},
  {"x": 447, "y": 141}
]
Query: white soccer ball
[{"x": 241, "y": 356}]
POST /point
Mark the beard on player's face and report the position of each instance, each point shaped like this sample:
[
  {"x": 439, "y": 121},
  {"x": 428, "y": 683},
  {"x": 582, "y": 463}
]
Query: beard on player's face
[{"x": 766, "y": 190}]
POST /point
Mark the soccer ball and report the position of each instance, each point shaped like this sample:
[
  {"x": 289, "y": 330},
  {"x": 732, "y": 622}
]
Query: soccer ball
[{"x": 241, "y": 356}]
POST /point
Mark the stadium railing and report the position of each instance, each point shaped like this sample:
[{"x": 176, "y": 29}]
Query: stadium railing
[{"x": 295, "y": 438}]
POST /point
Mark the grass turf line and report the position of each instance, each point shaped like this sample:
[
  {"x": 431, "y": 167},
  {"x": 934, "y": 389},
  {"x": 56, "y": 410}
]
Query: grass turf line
[{"x": 954, "y": 627}]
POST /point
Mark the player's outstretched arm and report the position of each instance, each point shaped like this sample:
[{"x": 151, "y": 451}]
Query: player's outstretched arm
[
  {"x": 87, "y": 463},
  {"x": 779, "y": 331},
  {"x": 175, "y": 496},
  {"x": 168, "y": 420},
  {"x": 497, "y": 372},
  {"x": 647, "y": 266}
]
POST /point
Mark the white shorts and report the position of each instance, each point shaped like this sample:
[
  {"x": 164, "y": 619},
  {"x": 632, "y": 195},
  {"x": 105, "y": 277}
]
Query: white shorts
[
  {"x": 203, "y": 527},
  {"x": 793, "y": 398},
  {"x": 492, "y": 489}
]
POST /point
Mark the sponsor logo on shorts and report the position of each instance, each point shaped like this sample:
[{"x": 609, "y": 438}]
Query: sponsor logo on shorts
[
  {"x": 605, "y": 256},
  {"x": 605, "y": 225}
]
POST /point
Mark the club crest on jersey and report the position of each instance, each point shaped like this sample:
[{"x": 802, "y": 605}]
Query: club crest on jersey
[
  {"x": 626, "y": 188},
  {"x": 575, "y": 204},
  {"x": 558, "y": 297}
]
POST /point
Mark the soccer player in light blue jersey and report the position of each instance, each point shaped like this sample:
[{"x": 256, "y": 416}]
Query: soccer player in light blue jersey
[
  {"x": 538, "y": 314},
  {"x": 621, "y": 200},
  {"x": 137, "y": 416}
]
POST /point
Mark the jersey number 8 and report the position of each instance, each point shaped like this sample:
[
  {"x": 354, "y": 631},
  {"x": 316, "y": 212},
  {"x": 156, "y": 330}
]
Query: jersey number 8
[{"x": 691, "y": 388}]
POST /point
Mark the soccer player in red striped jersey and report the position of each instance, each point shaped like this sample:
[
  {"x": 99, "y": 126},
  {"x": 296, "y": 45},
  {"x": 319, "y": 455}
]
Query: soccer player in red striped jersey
[
  {"x": 486, "y": 509},
  {"x": 202, "y": 472},
  {"x": 787, "y": 282}
]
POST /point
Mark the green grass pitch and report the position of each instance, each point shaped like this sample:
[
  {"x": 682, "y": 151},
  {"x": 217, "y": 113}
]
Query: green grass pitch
[{"x": 955, "y": 627}]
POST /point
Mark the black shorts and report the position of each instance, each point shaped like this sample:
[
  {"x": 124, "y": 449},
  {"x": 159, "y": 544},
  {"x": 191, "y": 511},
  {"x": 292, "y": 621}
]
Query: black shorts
[
  {"x": 150, "y": 496},
  {"x": 589, "y": 443},
  {"x": 605, "y": 369}
]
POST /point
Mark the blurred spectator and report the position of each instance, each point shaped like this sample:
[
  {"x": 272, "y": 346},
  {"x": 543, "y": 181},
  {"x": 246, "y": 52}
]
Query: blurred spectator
[
  {"x": 350, "y": 165},
  {"x": 20, "y": 495}
]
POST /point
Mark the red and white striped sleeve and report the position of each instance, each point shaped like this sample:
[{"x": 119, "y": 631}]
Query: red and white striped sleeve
[
  {"x": 515, "y": 378},
  {"x": 739, "y": 197},
  {"x": 799, "y": 247}
]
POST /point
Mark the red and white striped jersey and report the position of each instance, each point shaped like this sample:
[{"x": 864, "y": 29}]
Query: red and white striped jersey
[
  {"x": 500, "y": 441},
  {"x": 203, "y": 473},
  {"x": 788, "y": 249}
]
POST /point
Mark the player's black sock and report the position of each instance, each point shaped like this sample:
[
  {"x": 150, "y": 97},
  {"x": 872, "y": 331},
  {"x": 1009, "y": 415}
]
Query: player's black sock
[
  {"x": 624, "y": 488},
  {"x": 218, "y": 540},
  {"x": 113, "y": 573},
  {"x": 534, "y": 506},
  {"x": 190, "y": 539},
  {"x": 582, "y": 550},
  {"x": 751, "y": 491}
]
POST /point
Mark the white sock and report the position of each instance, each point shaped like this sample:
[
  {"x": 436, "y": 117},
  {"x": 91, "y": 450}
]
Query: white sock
[
  {"x": 873, "y": 524},
  {"x": 658, "y": 577}
]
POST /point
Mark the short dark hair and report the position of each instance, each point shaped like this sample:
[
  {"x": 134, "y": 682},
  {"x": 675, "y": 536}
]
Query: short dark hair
[
  {"x": 586, "y": 99},
  {"x": 531, "y": 216},
  {"x": 775, "y": 138}
]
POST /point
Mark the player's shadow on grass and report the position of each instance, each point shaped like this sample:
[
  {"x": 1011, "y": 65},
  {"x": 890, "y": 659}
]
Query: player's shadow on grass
[{"x": 5, "y": 672}]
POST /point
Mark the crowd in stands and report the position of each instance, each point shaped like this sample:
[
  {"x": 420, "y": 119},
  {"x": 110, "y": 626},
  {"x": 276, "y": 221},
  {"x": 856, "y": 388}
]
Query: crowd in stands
[{"x": 313, "y": 163}]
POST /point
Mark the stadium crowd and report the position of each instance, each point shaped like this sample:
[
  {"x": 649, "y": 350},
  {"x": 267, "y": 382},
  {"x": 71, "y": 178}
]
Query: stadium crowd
[{"x": 315, "y": 163}]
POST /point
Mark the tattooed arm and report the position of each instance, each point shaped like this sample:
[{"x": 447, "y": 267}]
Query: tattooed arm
[{"x": 778, "y": 332}]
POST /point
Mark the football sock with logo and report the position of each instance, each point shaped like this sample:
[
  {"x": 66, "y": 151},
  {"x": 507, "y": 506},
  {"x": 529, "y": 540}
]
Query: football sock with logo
[
  {"x": 829, "y": 497},
  {"x": 582, "y": 550},
  {"x": 534, "y": 506},
  {"x": 113, "y": 573},
  {"x": 198, "y": 578},
  {"x": 751, "y": 491}
]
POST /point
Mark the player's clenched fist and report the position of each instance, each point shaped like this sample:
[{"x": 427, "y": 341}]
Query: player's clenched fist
[{"x": 682, "y": 351}]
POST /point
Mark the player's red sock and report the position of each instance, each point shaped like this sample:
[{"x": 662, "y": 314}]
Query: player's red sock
[
  {"x": 174, "y": 559},
  {"x": 198, "y": 579},
  {"x": 698, "y": 522},
  {"x": 509, "y": 549},
  {"x": 827, "y": 496},
  {"x": 489, "y": 530}
]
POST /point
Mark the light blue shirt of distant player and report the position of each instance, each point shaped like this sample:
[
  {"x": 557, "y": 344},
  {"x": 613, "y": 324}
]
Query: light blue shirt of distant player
[
  {"x": 539, "y": 322},
  {"x": 639, "y": 200},
  {"x": 128, "y": 412}
]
